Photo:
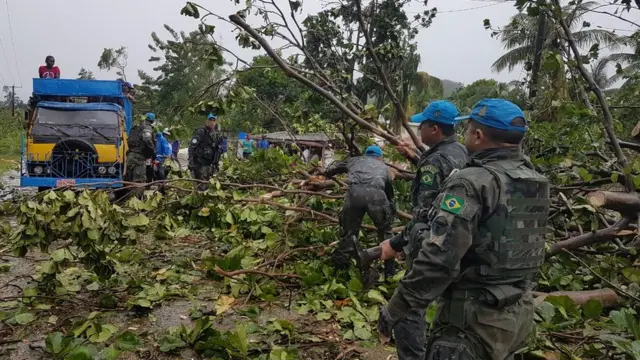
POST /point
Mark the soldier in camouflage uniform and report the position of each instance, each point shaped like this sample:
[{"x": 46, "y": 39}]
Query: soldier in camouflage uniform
[
  {"x": 370, "y": 192},
  {"x": 437, "y": 130},
  {"x": 485, "y": 246},
  {"x": 204, "y": 145},
  {"x": 141, "y": 145}
]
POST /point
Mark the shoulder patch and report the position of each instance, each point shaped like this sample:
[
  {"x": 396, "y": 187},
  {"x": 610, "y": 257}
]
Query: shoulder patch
[
  {"x": 427, "y": 179},
  {"x": 452, "y": 204},
  {"x": 194, "y": 141},
  {"x": 430, "y": 169}
]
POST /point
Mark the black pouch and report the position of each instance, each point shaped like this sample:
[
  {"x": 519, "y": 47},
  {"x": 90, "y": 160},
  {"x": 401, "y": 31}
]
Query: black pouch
[{"x": 500, "y": 296}]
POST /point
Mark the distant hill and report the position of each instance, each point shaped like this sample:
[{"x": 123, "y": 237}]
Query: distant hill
[{"x": 450, "y": 86}]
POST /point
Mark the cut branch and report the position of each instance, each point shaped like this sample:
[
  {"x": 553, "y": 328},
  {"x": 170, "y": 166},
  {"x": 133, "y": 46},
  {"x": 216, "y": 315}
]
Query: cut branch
[
  {"x": 590, "y": 238},
  {"x": 607, "y": 297},
  {"x": 231, "y": 274},
  {"x": 628, "y": 204}
]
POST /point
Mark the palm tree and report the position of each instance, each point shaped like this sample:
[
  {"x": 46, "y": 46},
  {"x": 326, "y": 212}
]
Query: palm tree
[
  {"x": 630, "y": 61},
  {"x": 599, "y": 73},
  {"x": 519, "y": 36}
]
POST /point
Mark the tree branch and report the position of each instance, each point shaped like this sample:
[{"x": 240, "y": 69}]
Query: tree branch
[
  {"x": 608, "y": 118},
  {"x": 589, "y": 238},
  {"x": 293, "y": 74},
  {"x": 385, "y": 81}
]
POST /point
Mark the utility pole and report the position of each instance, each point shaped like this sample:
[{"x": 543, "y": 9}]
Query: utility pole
[{"x": 13, "y": 100}]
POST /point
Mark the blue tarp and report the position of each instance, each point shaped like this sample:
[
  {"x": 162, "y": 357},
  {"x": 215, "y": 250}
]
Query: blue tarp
[
  {"x": 71, "y": 87},
  {"x": 80, "y": 107}
]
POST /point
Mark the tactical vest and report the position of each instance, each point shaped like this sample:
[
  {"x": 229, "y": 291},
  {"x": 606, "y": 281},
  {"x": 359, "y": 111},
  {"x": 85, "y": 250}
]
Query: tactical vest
[
  {"x": 134, "y": 141},
  {"x": 207, "y": 147},
  {"x": 513, "y": 236}
]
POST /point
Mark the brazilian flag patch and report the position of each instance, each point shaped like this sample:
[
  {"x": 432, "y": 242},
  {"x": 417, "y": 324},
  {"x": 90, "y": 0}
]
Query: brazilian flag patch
[
  {"x": 427, "y": 179},
  {"x": 452, "y": 204}
]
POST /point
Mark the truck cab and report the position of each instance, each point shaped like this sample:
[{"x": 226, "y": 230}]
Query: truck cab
[{"x": 76, "y": 134}]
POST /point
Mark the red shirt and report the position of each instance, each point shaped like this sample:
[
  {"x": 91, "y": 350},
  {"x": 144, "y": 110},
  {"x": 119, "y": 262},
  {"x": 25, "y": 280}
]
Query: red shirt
[{"x": 46, "y": 73}]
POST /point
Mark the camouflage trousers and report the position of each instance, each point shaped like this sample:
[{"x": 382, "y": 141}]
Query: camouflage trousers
[
  {"x": 410, "y": 335},
  {"x": 136, "y": 171},
  {"x": 358, "y": 202},
  {"x": 471, "y": 330},
  {"x": 202, "y": 172}
]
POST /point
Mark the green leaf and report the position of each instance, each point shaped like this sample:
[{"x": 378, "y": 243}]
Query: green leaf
[
  {"x": 376, "y": 296},
  {"x": 170, "y": 343},
  {"x": 355, "y": 285},
  {"x": 61, "y": 255},
  {"x": 94, "y": 234},
  {"x": 633, "y": 274},
  {"x": 24, "y": 318},
  {"x": 94, "y": 286},
  {"x": 323, "y": 316},
  {"x": 110, "y": 353},
  {"x": 127, "y": 341},
  {"x": 239, "y": 340},
  {"x": 362, "y": 333},
  {"x": 106, "y": 331},
  {"x": 53, "y": 343},
  {"x": 190, "y": 9},
  {"x": 138, "y": 220},
  {"x": 592, "y": 308},
  {"x": 546, "y": 311}
]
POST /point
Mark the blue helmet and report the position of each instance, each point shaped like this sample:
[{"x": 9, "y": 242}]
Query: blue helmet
[
  {"x": 151, "y": 117},
  {"x": 373, "y": 150},
  {"x": 212, "y": 117}
]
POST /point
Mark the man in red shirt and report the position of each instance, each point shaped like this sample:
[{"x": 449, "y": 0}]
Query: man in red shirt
[{"x": 49, "y": 71}]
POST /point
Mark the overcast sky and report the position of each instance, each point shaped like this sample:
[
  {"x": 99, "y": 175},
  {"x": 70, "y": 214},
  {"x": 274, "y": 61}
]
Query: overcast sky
[{"x": 455, "y": 47}]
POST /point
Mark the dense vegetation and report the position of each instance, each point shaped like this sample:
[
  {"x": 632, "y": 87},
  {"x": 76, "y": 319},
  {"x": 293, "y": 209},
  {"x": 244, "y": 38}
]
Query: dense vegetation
[{"x": 240, "y": 271}]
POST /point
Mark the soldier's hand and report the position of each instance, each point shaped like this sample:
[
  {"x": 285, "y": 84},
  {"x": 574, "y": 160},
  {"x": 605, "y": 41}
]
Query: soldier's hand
[
  {"x": 393, "y": 172},
  {"x": 407, "y": 149},
  {"x": 387, "y": 251}
]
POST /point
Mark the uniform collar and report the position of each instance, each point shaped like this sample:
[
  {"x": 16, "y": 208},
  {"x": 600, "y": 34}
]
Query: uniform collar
[
  {"x": 434, "y": 148},
  {"x": 496, "y": 154}
]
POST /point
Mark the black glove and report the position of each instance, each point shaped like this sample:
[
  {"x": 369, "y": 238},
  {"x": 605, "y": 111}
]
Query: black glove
[{"x": 384, "y": 326}]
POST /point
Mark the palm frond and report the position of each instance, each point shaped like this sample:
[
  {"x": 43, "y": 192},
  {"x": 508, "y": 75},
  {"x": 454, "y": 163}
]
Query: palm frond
[
  {"x": 586, "y": 38},
  {"x": 513, "y": 58}
]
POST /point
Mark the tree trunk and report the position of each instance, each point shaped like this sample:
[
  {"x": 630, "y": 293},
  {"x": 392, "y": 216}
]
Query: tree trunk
[
  {"x": 537, "y": 54},
  {"x": 627, "y": 204}
]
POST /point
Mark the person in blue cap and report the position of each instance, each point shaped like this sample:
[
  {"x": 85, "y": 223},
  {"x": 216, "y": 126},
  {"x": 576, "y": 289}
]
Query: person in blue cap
[
  {"x": 141, "y": 150},
  {"x": 485, "y": 246},
  {"x": 437, "y": 130},
  {"x": 370, "y": 192},
  {"x": 203, "y": 148}
]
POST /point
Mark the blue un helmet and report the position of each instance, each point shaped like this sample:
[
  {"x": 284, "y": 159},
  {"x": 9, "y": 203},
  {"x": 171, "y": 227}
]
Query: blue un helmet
[
  {"x": 212, "y": 116},
  {"x": 497, "y": 114},
  {"x": 439, "y": 111},
  {"x": 151, "y": 117},
  {"x": 373, "y": 150}
]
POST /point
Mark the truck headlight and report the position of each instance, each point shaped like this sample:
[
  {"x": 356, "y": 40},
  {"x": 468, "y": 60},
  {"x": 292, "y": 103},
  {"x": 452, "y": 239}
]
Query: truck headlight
[
  {"x": 38, "y": 170},
  {"x": 102, "y": 170},
  {"x": 112, "y": 170}
]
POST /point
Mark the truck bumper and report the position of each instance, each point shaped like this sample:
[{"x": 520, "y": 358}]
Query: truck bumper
[{"x": 26, "y": 181}]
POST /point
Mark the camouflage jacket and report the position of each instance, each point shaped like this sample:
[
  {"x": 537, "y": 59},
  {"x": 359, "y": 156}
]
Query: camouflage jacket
[
  {"x": 365, "y": 171},
  {"x": 203, "y": 147},
  {"x": 433, "y": 167},
  {"x": 498, "y": 193}
]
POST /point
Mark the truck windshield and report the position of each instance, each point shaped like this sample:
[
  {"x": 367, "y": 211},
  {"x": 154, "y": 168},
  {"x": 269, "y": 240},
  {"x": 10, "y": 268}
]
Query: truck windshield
[{"x": 97, "y": 127}]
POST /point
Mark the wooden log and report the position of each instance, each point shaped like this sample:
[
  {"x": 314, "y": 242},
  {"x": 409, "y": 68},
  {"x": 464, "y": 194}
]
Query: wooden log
[
  {"x": 607, "y": 297},
  {"x": 602, "y": 235},
  {"x": 636, "y": 131},
  {"x": 627, "y": 204}
]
